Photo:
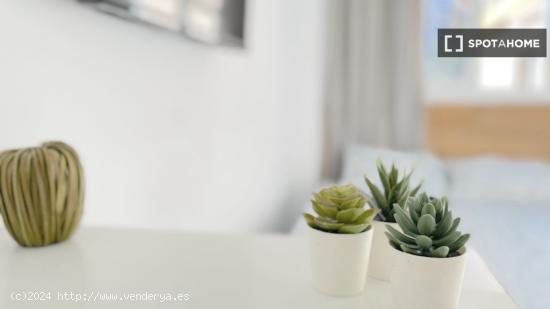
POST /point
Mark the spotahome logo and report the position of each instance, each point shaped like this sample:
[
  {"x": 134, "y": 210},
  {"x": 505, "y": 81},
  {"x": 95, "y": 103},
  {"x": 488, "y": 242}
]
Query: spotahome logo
[{"x": 491, "y": 42}]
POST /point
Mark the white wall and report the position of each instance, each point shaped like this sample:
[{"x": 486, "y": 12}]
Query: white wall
[{"x": 171, "y": 133}]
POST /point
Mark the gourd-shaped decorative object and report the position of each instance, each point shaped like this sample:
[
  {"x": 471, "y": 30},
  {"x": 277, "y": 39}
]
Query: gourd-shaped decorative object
[{"x": 41, "y": 193}]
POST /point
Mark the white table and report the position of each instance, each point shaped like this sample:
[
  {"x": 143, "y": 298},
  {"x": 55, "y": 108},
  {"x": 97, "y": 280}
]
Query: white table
[{"x": 216, "y": 271}]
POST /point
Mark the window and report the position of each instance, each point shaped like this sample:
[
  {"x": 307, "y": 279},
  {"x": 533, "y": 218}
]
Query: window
[{"x": 479, "y": 78}]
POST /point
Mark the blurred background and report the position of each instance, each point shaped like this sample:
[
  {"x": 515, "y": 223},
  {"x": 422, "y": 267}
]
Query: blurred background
[
  {"x": 224, "y": 115},
  {"x": 173, "y": 133}
]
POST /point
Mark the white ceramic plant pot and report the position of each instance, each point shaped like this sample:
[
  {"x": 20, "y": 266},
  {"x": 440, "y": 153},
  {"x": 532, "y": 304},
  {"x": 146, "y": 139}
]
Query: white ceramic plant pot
[
  {"x": 339, "y": 261},
  {"x": 419, "y": 282},
  {"x": 381, "y": 255}
]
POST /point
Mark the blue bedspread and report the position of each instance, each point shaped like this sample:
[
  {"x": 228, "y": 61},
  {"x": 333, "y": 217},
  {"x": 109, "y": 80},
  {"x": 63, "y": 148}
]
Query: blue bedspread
[{"x": 514, "y": 241}]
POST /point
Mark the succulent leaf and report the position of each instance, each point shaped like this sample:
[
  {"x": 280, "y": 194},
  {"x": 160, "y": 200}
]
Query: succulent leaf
[
  {"x": 392, "y": 238},
  {"x": 428, "y": 209},
  {"x": 400, "y": 237},
  {"x": 393, "y": 175},
  {"x": 383, "y": 175},
  {"x": 444, "y": 225},
  {"x": 417, "y": 204},
  {"x": 407, "y": 228},
  {"x": 413, "y": 214},
  {"x": 411, "y": 251},
  {"x": 448, "y": 239},
  {"x": 426, "y": 224},
  {"x": 325, "y": 211},
  {"x": 454, "y": 226},
  {"x": 393, "y": 243},
  {"x": 438, "y": 205},
  {"x": 440, "y": 252},
  {"x": 366, "y": 217},
  {"x": 423, "y": 199},
  {"x": 323, "y": 201},
  {"x": 354, "y": 203},
  {"x": 310, "y": 220},
  {"x": 416, "y": 189},
  {"x": 325, "y": 225},
  {"x": 379, "y": 198},
  {"x": 349, "y": 215},
  {"x": 460, "y": 242},
  {"x": 411, "y": 226},
  {"x": 403, "y": 200},
  {"x": 413, "y": 246},
  {"x": 353, "y": 229},
  {"x": 424, "y": 242}
]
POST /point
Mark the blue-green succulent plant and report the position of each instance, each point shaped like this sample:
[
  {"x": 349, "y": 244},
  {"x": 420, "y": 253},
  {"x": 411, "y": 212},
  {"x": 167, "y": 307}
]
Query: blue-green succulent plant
[{"x": 428, "y": 228}]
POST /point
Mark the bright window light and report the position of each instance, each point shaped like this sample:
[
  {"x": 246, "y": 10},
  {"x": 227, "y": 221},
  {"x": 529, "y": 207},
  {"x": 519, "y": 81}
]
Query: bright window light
[{"x": 497, "y": 72}]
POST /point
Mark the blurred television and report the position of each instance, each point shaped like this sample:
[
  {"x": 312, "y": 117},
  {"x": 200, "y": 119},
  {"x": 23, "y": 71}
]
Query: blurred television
[{"x": 217, "y": 22}]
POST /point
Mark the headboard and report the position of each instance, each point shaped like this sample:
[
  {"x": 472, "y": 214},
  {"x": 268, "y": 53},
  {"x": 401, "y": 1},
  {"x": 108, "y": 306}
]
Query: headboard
[{"x": 516, "y": 131}]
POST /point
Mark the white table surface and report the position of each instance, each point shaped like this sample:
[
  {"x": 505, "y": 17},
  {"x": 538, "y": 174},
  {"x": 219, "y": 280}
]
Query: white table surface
[{"x": 216, "y": 272}]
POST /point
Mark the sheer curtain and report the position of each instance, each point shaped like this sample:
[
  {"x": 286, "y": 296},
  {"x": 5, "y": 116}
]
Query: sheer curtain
[{"x": 373, "y": 90}]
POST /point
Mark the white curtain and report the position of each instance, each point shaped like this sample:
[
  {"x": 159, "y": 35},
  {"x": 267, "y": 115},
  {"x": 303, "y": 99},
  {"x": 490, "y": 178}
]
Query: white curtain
[{"x": 373, "y": 90}]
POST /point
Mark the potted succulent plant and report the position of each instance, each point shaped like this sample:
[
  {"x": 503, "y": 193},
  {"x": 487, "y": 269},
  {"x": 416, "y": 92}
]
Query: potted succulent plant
[
  {"x": 395, "y": 190},
  {"x": 339, "y": 240},
  {"x": 429, "y": 255}
]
